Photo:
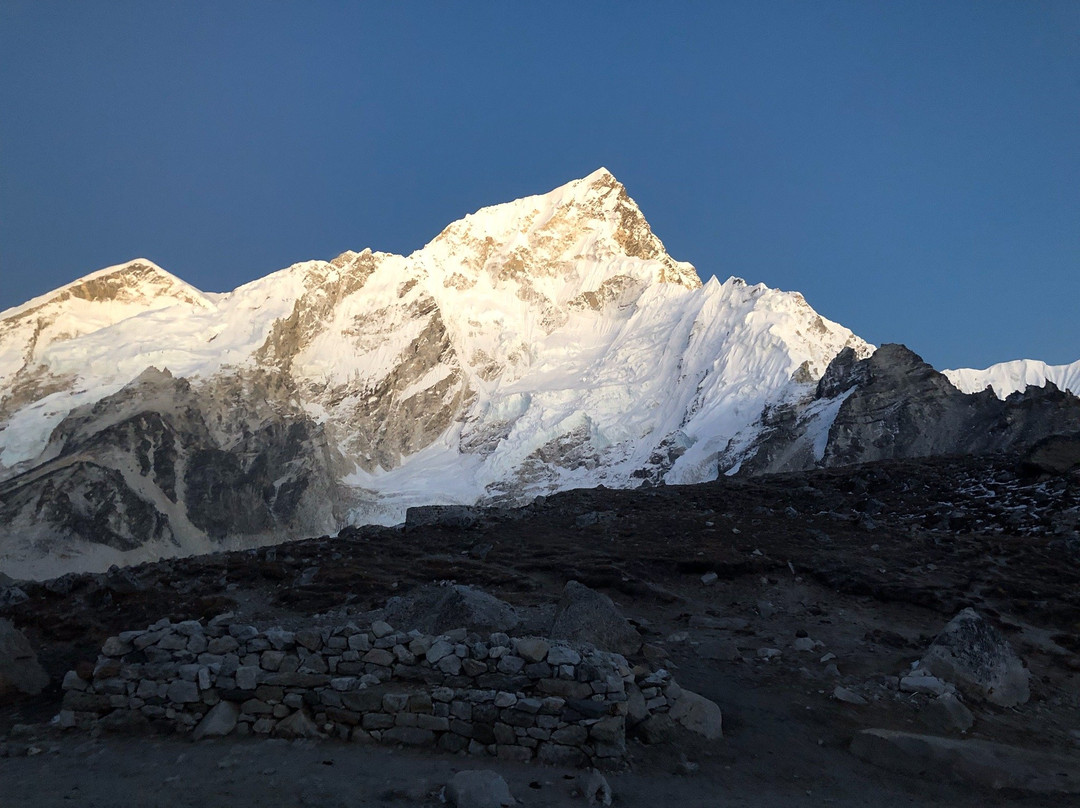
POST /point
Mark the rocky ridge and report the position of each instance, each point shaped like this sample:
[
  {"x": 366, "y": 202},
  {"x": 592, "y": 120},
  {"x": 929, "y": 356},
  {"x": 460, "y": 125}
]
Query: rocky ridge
[{"x": 893, "y": 405}]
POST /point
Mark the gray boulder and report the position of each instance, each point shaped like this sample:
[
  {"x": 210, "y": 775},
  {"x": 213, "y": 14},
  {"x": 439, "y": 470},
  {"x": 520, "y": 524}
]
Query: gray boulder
[
  {"x": 596, "y": 789},
  {"x": 297, "y": 725},
  {"x": 584, "y": 615},
  {"x": 970, "y": 653},
  {"x": 478, "y": 789},
  {"x": 657, "y": 728},
  {"x": 947, "y": 714},
  {"x": 698, "y": 714},
  {"x": 436, "y": 609},
  {"x": 218, "y": 722},
  {"x": 20, "y": 671}
]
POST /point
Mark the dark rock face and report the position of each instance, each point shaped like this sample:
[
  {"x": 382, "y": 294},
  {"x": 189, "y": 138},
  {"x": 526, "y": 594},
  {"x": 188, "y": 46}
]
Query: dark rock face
[
  {"x": 902, "y": 407},
  {"x": 157, "y": 463},
  {"x": 256, "y": 485},
  {"x": 841, "y": 375},
  {"x": 1057, "y": 454},
  {"x": 894, "y": 405}
]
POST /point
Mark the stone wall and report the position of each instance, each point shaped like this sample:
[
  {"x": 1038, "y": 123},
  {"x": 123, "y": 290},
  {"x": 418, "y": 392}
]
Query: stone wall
[{"x": 520, "y": 699}]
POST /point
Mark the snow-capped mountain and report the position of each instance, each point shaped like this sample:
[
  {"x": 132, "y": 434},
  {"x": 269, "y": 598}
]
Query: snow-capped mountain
[
  {"x": 1007, "y": 378},
  {"x": 533, "y": 346}
]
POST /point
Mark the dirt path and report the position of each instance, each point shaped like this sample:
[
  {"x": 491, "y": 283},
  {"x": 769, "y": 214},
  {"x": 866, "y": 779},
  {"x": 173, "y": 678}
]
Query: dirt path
[{"x": 752, "y": 769}]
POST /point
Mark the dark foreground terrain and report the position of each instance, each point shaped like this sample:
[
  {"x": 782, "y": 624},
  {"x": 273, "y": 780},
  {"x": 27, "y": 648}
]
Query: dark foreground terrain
[{"x": 868, "y": 562}]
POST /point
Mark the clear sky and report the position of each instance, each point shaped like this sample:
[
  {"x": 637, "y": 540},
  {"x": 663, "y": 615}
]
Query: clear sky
[{"x": 912, "y": 168}]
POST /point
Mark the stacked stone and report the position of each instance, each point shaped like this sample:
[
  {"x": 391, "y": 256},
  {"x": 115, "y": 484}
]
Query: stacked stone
[{"x": 519, "y": 699}]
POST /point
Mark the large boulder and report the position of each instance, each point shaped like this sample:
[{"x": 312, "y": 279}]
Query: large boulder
[
  {"x": 20, "y": 671},
  {"x": 478, "y": 789},
  {"x": 698, "y": 714},
  {"x": 584, "y": 615},
  {"x": 972, "y": 654},
  {"x": 436, "y": 609}
]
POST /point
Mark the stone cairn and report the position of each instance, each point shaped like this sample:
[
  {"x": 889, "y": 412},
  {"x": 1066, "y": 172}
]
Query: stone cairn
[{"x": 518, "y": 699}]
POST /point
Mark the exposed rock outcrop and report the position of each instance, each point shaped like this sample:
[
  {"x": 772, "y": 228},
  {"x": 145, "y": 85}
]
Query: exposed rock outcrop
[
  {"x": 142, "y": 474},
  {"x": 893, "y": 405},
  {"x": 972, "y": 654}
]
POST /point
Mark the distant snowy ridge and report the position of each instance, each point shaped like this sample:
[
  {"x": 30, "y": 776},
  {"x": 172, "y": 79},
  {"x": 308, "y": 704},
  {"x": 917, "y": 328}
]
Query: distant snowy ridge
[
  {"x": 1011, "y": 377},
  {"x": 533, "y": 346}
]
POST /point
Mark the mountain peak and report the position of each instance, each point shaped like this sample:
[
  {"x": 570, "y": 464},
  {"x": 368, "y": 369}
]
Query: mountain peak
[
  {"x": 590, "y": 219},
  {"x": 136, "y": 281}
]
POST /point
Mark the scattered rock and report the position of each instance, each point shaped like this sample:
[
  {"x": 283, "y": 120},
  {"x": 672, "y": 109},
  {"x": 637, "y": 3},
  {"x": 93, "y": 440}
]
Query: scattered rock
[
  {"x": 920, "y": 681},
  {"x": 848, "y": 696},
  {"x": 584, "y": 615},
  {"x": 481, "y": 551},
  {"x": 20, "y": 671},
  {"x": 970, "y": 653},
  {"x": 596, "y": 789},
  {"x": 478, "y": 789},
  {"x": 12, "y": 596},
  {"x": 709, "y": 578},
  {"x": 686, "y": 767}
]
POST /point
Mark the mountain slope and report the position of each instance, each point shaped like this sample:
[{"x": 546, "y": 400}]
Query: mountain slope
[
  {"x": 542, "y": 344},
  {"x": 893, "y": 405}
]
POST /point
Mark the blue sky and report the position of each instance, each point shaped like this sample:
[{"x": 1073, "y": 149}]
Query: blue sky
[{"x": 912, "y": 168}]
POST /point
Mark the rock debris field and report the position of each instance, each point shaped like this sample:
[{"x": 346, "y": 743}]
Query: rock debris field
[{"x": 901, "y": 633}]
